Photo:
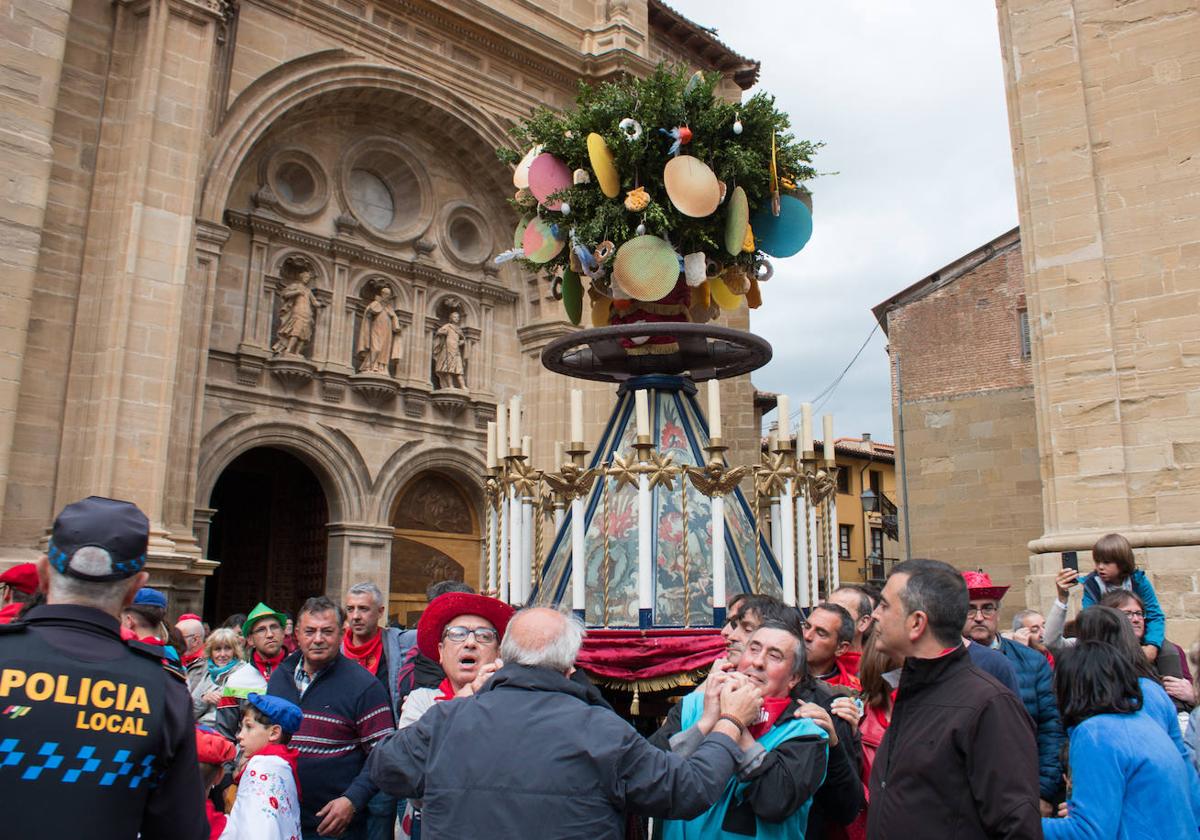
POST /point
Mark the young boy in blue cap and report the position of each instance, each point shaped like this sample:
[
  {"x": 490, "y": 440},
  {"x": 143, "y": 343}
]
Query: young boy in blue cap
[{"x": 268, "y": 795}]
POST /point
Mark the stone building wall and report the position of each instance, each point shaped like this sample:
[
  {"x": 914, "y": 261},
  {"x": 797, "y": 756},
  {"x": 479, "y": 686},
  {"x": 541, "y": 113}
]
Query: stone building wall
[
  {"x": 970, "y": 441},
  {"x": 179, "y": 155},
  {"x": 1105, "y": 131}
]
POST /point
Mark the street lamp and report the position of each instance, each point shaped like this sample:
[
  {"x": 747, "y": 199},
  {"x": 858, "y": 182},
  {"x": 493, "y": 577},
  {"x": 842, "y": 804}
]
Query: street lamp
[{"x": 870, "y": 504}]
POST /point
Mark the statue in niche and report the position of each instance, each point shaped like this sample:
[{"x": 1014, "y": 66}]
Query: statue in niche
[
  {"x": 379, "y": 335},
  {"x": 450, "y": 352},
  {"x": 298, "y": 313}
]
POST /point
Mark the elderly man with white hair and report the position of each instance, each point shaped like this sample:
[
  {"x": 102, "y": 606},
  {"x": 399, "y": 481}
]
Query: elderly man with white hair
[{"x": 529, "y": 756}]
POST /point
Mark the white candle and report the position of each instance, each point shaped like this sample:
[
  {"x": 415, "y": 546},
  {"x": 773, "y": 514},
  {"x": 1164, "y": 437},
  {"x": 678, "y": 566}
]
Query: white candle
[
  {"x": 784, "y": 410},
  {"x": 827, "y": 443},
  {"x": 641, "y": 405},
  {"x": 491, "y": 445},
  {"x": 578, "y": 557},
  {"x": 576, "y": 415},
  {"x": 501, "y": 431},
  {"x": 514, "y": 423},
  {"x": 814, "y": 545},
  {"x": 645, "y": 526},
  {"x": 801, "y": 557},
  {"x": 718, "y": 551},
  {"x": 527, "y": 446},
  {"x": 806, "y": 428},
  {"x": 714, "y": 408},
  {"x": 787, "y": 544},
  {"x": 835, "y": 568}
]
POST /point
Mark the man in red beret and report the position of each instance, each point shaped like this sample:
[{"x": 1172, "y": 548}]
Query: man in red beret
[{"x": 20, "y": 583}]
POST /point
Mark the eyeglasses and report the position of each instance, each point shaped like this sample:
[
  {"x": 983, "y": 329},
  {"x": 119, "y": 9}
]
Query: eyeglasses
[
  {"x": 987, "y": 610},
  {"x": 266, "y": 629},
  {"x": 1134, "y": 613},
  {"x": 483, "y": 635}
]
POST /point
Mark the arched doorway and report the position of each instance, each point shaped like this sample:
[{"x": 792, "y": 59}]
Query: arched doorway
[
  {"x": 436, "y": 538},
  {"x": 269, "y": 534}
]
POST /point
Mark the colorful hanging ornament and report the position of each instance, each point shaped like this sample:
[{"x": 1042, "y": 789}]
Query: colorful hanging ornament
[
  {"x": 691, "y": 186},
  {"x": 748, "y": 242},
  {"x": 737, "y": 222},
  {"x": 695, "y": 81},
  {"x": 572, "y": 296},
  {"x": 774, "y": 179},
  {"x": 637, "y": 200},
  {"x": 631, "y": 128},
  {"x": 641, "y": 229},
  {"x": 737, "y": 123},
  {"x": 548, "y": 175},
  {"x": 521, "y": 173},
  {"x": 581, "y": 176},
  {"x": 682, "y": 135},
  {"x": 604, "y": 165}
]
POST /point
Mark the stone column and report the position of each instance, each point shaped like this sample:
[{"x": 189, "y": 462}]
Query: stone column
[
  {"x": 131, "y": 335},
  {"x": 357, "y": 552},
  {"x": 1104, "y": 128},
  {"x": 35, "y": 37}
]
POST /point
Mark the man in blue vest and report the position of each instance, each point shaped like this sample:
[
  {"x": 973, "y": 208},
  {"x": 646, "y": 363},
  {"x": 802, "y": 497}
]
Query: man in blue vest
[
  {"x": 96, "y": 736},
  {"x": 784, "y": 757}
]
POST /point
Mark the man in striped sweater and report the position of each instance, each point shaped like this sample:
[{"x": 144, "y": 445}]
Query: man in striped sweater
[{"x": 346, "y": 712}]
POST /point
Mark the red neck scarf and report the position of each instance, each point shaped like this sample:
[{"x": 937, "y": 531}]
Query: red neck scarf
[
  {"x": 368, "y": 653},
  {"x": 189, "y": 658},
  {"x": 447, "y": 691},
  {"x": 286, "y": 753},
  {"x": 772, "y": 708},
  {"x": 265, "y": 666}
]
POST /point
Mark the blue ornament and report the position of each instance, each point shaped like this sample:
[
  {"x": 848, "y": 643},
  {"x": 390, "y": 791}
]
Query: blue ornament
[{"x": 783, "y": 235}]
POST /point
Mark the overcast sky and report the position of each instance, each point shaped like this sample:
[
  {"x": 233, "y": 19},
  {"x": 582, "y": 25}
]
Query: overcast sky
[{"x": 909, "y": 98}]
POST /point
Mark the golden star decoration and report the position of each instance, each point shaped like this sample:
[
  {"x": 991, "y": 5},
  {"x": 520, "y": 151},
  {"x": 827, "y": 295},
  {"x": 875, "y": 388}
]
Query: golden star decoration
[
  {"x": 524, "y": 478},
  {"x": 771, "y": 475},
  {"x": 622, "y": 472},
  {"x": 660, "y": 470}
]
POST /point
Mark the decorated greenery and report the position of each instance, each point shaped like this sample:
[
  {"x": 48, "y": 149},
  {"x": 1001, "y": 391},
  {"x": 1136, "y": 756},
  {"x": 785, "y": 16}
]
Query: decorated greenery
[{"x": 677, "y": 113}]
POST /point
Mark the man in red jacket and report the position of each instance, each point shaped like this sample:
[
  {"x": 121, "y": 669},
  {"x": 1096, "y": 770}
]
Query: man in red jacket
[{"x": 959, "y": 759}]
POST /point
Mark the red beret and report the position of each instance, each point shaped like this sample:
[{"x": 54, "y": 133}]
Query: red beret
[
  {"x": 22, "y": 577},
  {"x": 212, "y": 748},
  {"x": 189, "y": 617},
  {"x": 445, "y": 608}
]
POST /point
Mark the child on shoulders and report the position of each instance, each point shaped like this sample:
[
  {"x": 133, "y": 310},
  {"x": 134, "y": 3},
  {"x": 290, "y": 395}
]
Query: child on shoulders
[{"x": 1116, "y": 570}]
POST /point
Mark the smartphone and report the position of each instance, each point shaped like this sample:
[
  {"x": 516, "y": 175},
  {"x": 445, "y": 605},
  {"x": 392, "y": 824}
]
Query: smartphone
[{"x": 1070, "y": 560}]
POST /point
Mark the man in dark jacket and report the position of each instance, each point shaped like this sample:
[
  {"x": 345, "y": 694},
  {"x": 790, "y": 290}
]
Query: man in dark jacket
[
  {"x": 1035, "y": 681},
  {"x": 527, "y": 756},
  {"x": 959, "y": 759},
  {"x": 346, "y": 713}
]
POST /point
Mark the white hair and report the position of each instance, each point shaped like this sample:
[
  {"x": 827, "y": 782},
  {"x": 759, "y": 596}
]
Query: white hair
[
  {"x": 108, "y": 595},
  {"x": 557, "y": 652},
  {"x": 368, "y": 588}
]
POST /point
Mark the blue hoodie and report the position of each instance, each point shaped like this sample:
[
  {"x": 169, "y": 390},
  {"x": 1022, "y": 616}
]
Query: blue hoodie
[
  {"x": 1156, "y": 622},
  {"x": 1128, "y": 781}
]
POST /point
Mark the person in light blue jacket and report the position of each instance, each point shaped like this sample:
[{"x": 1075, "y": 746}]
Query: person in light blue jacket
[
  {"x": 1127, "y": 779},
  {"x": 1115, "y": 569}
]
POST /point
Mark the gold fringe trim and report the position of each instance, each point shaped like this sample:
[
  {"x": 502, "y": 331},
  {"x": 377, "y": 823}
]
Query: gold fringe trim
[{"x": 689, "y": 679}]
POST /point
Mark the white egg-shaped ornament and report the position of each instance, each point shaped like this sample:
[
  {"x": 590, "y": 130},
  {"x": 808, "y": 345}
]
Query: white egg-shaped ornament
[{"x": 692, "y": 186}]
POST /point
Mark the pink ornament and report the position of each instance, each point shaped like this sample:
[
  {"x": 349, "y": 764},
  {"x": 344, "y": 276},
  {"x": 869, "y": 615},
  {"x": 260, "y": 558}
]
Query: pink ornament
[{"x": 548, "y": 175}]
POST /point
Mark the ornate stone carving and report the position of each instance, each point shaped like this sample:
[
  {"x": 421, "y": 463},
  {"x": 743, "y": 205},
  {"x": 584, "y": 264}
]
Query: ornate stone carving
[
  {"x": 433, "y": 503},
  {"x": 375, "y": 388},
  {"x": 450, "y": 402},
  {"x": 297, "y": 315},
  {"x": 379, "y": 335},
  {"x": 293, "y": 371},
  {"x": 449, "y": 353}
]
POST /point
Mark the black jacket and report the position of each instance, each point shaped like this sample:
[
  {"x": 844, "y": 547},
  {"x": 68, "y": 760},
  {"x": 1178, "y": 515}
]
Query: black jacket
[
  {"x": 839, "y": 797},
  {"x": 103, "y": 744},
  {"x": 958, "y": 761},
  {"x": 529, "y": 756}
]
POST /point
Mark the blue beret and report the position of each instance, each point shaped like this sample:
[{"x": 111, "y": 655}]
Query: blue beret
[
  {"x": 149, "y": 597},
  {"x": 284, "y": 712}
]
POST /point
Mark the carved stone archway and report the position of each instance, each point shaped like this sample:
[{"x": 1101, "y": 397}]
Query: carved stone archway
[{"x": 436, "y": 537}]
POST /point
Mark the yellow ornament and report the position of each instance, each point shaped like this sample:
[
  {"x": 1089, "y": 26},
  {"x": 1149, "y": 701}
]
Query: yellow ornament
[
  {"x": 748, "y": 242},
  {"x": 724, "y": 298},
  {"x": 603, "y": 165},
  {"x": 637, "y": 200},
  {"x": 601, "y": 308}
]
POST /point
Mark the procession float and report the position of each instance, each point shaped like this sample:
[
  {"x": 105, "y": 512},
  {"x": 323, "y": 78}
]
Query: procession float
[{"x": 652, "y": 207}]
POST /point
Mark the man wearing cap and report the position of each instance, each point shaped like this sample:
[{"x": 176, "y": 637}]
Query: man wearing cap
[
  {"x": 20, "y": 582},
  {"x": 346, "y": 712},
  {"x": 263, "y": 631},
  {"x": 142, "y": 620},
  {"x": 98, "y": 740},
  {"x": 1035, "y": 681}
]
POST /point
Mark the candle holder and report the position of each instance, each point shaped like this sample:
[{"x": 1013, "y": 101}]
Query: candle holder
[{"x": 644, "y": 445}]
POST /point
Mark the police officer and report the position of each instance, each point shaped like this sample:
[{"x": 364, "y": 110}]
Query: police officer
[{"x": 96, "y": 738}]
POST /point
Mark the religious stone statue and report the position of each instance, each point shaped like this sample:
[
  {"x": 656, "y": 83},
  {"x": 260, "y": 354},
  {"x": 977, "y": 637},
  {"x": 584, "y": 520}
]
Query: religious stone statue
[
  {"x": 298, "y": 313},
  {"x": 449, "y": 353},
  {"x": 379, "y": 335}
]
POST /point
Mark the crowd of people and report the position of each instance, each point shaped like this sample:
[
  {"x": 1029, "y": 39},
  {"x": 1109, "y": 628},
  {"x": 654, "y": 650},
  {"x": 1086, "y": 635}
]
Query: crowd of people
[{"x": 906, "y": 712}]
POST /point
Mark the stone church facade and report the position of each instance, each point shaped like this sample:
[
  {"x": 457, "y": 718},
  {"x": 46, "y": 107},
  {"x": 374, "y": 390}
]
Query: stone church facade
[{"x": 249, "y": 279}]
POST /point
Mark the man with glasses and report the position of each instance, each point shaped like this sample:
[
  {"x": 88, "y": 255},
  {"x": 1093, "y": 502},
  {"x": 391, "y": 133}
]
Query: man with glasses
[
  {"x": 461, "y": 631},
  {"x": 346, "y": 713},
  {"x": 1034, "y": 680},
  {"x": 263, "y": 631}
]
